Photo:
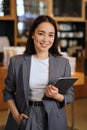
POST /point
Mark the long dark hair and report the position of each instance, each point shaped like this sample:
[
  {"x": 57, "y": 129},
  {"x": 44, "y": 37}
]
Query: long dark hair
[{"x": 30, "y": 49}]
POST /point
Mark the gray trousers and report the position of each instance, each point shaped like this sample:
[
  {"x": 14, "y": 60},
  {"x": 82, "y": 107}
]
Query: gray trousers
[{"x": 37, "y": 118}]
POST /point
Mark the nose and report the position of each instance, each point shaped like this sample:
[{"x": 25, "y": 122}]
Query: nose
[{"x": 46, "y": 38}]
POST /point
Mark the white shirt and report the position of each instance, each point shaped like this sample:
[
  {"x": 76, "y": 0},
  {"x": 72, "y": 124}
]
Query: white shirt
[{"x": 39, "y": 76}]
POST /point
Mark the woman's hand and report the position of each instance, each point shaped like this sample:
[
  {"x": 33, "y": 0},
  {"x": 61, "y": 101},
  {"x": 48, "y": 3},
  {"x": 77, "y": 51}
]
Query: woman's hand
[
  {"x": 53, "y": 92},
  {"x": 19, "y": 117},
  {"x": 16, "y": 115}
]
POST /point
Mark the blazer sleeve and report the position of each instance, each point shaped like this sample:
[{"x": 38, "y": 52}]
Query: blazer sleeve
[
  {"x": 10, "y": 84},
  {"x": 69, "y": 96}
]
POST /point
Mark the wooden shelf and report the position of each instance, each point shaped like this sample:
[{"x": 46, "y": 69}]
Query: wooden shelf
[
  {"x": 71, "y": 19},
  {"x": 9, "y": 17},
  {"x": 21, "y": 40},
  {"x": 13, "y": 16}
]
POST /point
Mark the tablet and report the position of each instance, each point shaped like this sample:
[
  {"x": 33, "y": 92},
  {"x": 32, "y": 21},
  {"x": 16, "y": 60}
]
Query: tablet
[{"x": 65, "y": 83}]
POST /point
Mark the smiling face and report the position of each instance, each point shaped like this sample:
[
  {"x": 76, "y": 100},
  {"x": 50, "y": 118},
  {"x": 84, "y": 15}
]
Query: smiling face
[{"x": 43, "y": 37}]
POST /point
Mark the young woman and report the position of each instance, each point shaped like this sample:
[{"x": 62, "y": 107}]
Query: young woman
[{"x": 34, "y": 103}]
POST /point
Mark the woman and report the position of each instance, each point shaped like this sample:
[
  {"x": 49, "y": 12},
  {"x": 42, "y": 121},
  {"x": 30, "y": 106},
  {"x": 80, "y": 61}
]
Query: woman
[{"x": 34, "y": 103}]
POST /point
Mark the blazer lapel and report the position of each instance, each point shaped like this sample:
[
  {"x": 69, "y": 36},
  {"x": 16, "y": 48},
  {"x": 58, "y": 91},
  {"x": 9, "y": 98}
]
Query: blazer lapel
[
  {"x": 26, "y": 75},
  {"x": 53, "y": 75},
  {"x": 53, "y": 69}
]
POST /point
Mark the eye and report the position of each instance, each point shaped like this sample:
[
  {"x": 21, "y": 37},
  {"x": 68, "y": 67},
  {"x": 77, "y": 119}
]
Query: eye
[
  {"x": 51, "y": 35},
  {"x": 40, "y": 33}
]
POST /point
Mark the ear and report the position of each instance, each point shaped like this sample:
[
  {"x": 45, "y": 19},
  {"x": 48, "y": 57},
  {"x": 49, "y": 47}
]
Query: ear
[{"x": 32, "y": 36}]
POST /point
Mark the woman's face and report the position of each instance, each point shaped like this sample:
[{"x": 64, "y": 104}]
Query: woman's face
[{"x": 43, "y": 37}]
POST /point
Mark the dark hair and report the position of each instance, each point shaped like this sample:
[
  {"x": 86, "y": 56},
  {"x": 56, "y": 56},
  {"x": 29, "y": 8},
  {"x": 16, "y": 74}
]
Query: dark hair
[{"x": 30, "y": 49}]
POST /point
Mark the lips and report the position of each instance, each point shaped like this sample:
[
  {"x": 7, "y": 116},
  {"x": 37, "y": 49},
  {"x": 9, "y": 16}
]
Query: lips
[{"x": 44, "y": 44}]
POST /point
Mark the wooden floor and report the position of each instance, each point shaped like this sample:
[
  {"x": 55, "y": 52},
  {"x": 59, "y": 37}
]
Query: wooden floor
[{"x": 80, "y": 115}]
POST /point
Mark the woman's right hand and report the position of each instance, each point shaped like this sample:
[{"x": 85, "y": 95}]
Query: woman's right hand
[
  {"x": 19, "y": 117},
  {"x": 16, "y": 115}
]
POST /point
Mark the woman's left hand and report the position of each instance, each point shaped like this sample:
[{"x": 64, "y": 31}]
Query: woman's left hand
[{"x": 53, "y": 92}]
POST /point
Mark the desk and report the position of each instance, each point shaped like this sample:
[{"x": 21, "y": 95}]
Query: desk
[
  {"x": 80, "y": 81},
  {"x": 80, "y": 77}
]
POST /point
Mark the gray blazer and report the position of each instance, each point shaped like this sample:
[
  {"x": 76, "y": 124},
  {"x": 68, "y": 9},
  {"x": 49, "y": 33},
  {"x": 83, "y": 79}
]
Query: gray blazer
[{"x": 18, "y": 81}]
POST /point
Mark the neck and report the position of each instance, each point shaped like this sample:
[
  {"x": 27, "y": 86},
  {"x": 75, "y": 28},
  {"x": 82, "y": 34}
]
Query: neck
[{"x": 41, "y": 55}]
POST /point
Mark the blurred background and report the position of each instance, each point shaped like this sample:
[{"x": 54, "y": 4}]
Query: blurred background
[{"x": 16, "y": 18}]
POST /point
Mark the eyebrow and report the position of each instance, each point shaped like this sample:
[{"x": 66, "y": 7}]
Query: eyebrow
[{"x": 44, "y": 31}]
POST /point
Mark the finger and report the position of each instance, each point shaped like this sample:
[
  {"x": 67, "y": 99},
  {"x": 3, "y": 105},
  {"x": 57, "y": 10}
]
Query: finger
[
  {"x": 55, "y": 88},
  {"x": 24, "y": 116},
  {"x": 49, "y": 92}
]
